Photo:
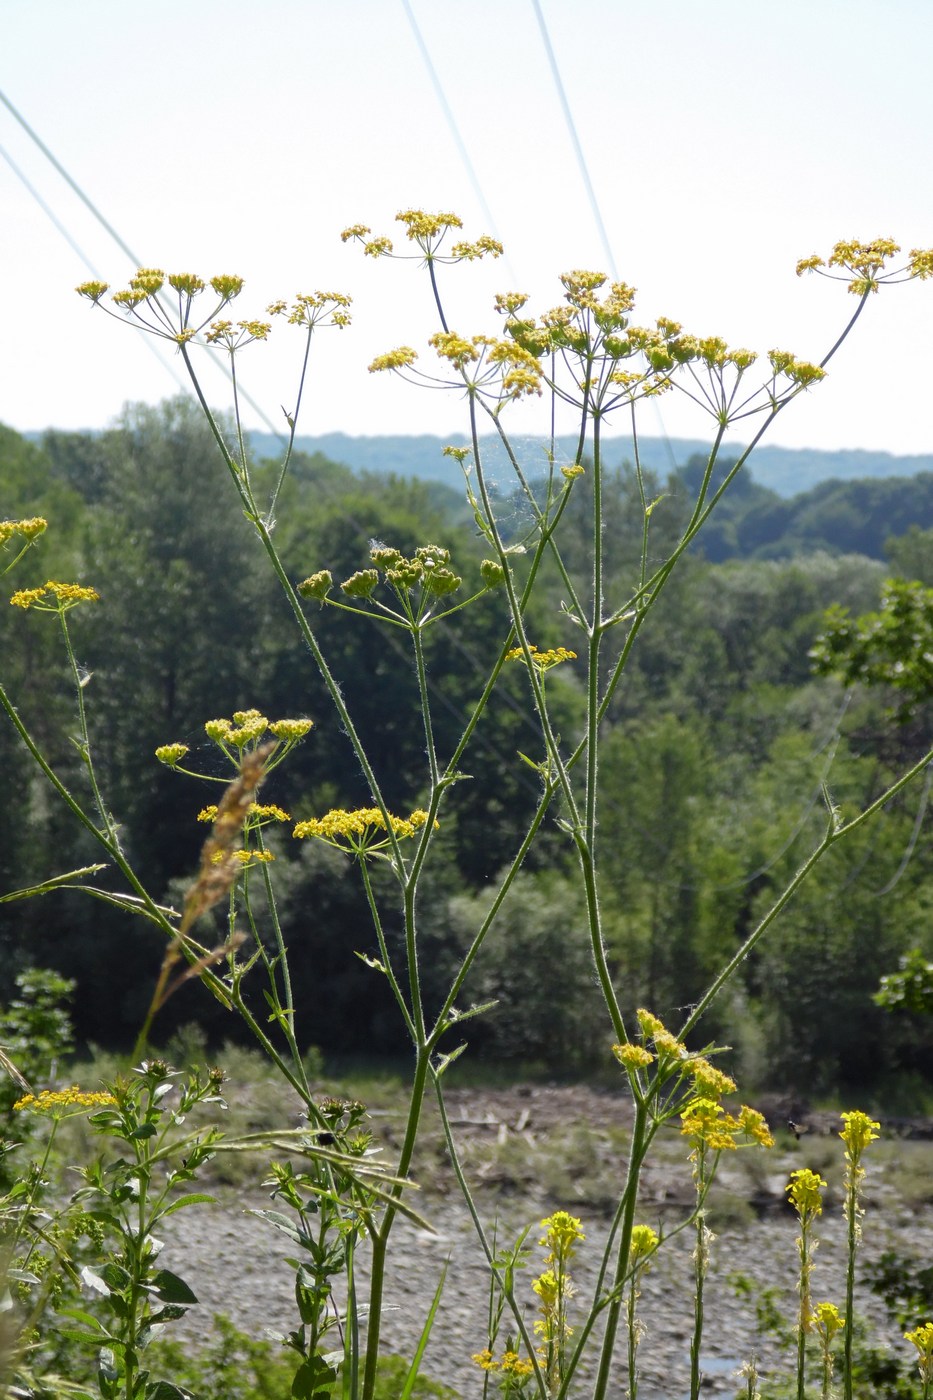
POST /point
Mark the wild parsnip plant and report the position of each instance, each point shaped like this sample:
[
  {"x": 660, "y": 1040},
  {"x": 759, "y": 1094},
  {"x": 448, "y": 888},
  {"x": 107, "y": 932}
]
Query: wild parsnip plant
[{"x": 591, "y": 356}]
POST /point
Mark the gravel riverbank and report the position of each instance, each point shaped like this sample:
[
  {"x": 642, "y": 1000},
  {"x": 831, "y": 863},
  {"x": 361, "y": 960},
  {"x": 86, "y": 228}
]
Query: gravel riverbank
[{"x": 235, "y": 1261}]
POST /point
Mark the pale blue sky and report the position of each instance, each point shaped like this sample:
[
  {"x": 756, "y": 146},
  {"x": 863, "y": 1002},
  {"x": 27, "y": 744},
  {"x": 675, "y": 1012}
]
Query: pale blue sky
[{"x": 724, "y": 140}]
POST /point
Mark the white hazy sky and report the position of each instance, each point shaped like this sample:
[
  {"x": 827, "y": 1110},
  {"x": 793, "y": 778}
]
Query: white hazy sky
[{"x": 724, "y": 140}]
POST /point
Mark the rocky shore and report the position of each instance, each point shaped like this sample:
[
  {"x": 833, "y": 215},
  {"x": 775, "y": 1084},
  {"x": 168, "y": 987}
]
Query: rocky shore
[{"x": 236, "y": 1263}]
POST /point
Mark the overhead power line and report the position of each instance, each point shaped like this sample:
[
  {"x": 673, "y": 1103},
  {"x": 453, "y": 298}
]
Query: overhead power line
[
  {"x": 575, "y": 140},
  {"x": 121, "y": 244},
  {"x": 451, "y": 121}
]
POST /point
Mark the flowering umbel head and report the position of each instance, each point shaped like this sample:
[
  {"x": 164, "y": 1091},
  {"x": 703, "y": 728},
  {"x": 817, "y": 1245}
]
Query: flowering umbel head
[
  {"x": 865, "y": 266},
  {"x": 54, "y": 597},
  {"x": 361, "y": 832}
]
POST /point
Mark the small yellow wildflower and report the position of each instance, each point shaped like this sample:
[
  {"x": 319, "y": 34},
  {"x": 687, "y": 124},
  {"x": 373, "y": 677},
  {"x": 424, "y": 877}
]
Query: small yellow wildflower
[
  {"x": 809, "y": 264},
  {"x": 29, "y": 529},
  {"x": 826, "y": 1321},
  {"x": 58, "y": 596},
  {"x": 633, "y": 1056},
  {"x": 291, "y": 730},
  {"x": 362, "y": 584},
  {"x": 399, "y": 358},
  {"x": 644, "y": 1241},
  {"x": 858, "y": 1131},
  {"x": 650, "y": 1024},
  {"x": 485, "y": 1360},
  {"x": 227, "y": 286},
  {"x": 571, "y": 473},
  {"x": 805, "y": 1190},
  {"x": 92, "y": 290},
  {"x": 562, "y": 1231},
  {"x": 317, "y": 585},
  {"x": 359, "y": 831},
  {"x": 170, "y": 754},
  {"x": 247, "y": 727},
  {"x": 922, "y": 1338},
  {"x": 667, "y": 1044},
  {"x": 542, "y": 660},
  {"x": 921, "y": 263},
  {"x": 708, "y": 1081},
  {"x": 188, "y": 283},
  {"x": 421, "y": 226}
]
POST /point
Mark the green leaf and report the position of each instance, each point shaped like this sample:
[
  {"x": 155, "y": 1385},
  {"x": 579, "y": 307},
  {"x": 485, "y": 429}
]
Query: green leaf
[
  {"x": 195, "y": 1198},
  {"x": 314, "y": 1379},
  {"x": 114, "y": 1277},
  {"x": 279, "y": 1222},
  {"x": 54, "y": 883},
  {"x": 374, "y": 963},
  {"x": 169, "y": 1288},
  {"x": 412, "y": 1377},
  {"x": 80, "y": 1315},
  {"x": 94, "y": 1281},
  {"x": 161, "y": 1390}
]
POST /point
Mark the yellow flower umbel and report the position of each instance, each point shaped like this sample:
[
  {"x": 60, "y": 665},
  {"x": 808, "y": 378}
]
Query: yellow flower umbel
[
  {"x": 864, "y": 265},
  {"x": 542, "y": 660},
  {"x": 28, "y": 531},
  {"x": 63, "y": 1103},
  {"x": 247, "y": 730},
  {"x": 54, "y": 597},
  {"x": 361, "y": 832}
]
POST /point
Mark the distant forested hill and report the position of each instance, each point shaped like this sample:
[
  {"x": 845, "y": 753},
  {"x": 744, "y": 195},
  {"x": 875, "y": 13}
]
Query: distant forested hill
[
  {"x": 784, "y": 470},
  {"x": 841, "y": 517}
]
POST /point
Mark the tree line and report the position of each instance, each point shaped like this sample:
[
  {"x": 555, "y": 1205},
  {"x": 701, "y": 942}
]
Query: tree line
[{"x": 716, "y": 748}]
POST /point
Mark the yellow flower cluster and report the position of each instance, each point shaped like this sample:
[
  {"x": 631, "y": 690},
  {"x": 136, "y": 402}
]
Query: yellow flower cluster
[
  {"x": 262, "y": 811},
  {"x": 359, "y": 828},
  {"x": 394, "y": 359},
  {"x": 249, "y": 726},
  {"x": 562, "y": 1232},
  {"x": 54, "y": 597},
  {"x": 54, "y": 1100},
  {"x": 235, "y": 336},
  {"x": 858, "y": 1131},
  {"x": 428, "y": 231},
  {"x": 863, "y": 265},
  {"x": 313, "y": 309},
  {"x": 291, "y": 730},
  {"x": 171, "y": 754},
  {"x": 644, "y": 1241},
  {"x": 826, "y": 1321},
  {"x": 29, "y": 529},
  {"x": 708, "y": 1125},
  {"x": 246, "y": 857},
  {"x": 800, "y": 372},
  {"x": 149, "y": 281},
  {"x": 542, "y": 660},
  {"x": 511, "y": 1364},
  {"x": 805, "y": 1190},
  {"x": 922, "y": 1338}
]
